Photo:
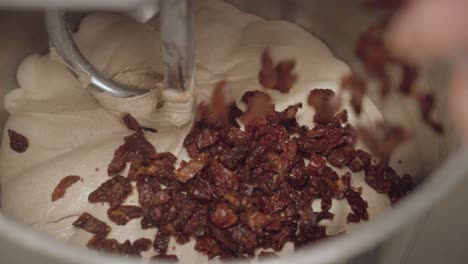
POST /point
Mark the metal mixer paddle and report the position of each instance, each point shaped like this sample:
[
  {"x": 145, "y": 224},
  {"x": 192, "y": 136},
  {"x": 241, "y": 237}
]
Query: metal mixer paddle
[{"x": 176, "y": 30}]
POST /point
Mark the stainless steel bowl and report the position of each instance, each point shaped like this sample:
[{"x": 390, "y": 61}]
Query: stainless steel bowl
[{"x": 441, "y": 163}]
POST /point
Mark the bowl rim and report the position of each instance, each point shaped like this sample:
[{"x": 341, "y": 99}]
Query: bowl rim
[{"x": 362, "y": 238}]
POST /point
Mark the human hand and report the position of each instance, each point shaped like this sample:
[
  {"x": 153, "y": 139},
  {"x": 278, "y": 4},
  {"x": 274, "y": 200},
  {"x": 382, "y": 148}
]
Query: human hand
[{"x": 426, "y": 30}]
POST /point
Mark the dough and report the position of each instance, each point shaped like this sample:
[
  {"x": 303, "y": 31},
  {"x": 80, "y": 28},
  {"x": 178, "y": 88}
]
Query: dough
[{"x": 73, "y": 131}]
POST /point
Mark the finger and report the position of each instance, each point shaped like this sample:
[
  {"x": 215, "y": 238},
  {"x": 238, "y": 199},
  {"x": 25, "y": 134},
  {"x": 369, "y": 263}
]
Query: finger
[
  {"x": 429, "y": 29},
  {"x": 458, "y": 100}
]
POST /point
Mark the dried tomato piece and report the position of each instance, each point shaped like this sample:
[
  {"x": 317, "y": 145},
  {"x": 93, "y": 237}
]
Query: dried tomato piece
[
  {"x": 161, "y": 243},
  {"x": 307, "y": 229},
  {"x": 335, "y": 186},
  {"x": 400, "y": 188},
  {"x": 63, "y": 185},
  {"x": 358, "y": 207},
  {"x": 99, "y": 242},
  {"x": 385, "y": 140},
  {"x": 92, "y": 225},
  {"x": 131, "y": 123},
  {"x": 376, "y": 177},
  {"x": 276, "y": 203},
  {"x": 235, "y": 137},
  {"x": 122, "y": 214},
  {"x": 119, "y": 161},
  {"x": 136, "y": 147},
  {"x": 298, "y": 176},
  {"x": 201, "y": 189},
  {"x": 290, "y": 112},
  {"x": 141, "y": 244},
  {"x": 280, "y": 238},
  {"x": 188, "y": 170},
  {"x": 18, "y": 142},
  {"x": 126, "y": 248},
  {"x": 208, "y": 246},
  {"x": 190, "y": 142},
  {"x": 223, "y": 216},
  {"x": 267, "y": 75},
  {"x": 147, "y": 188},
  {"x": 356, "y": 164},
  {"x": 198, "y": 223},
  {"x": 245, "y": 236},
  {"x": 113, "y": 191},
  {"x": 286, "y": 78},
  {"x": 341, "y": 156},
  {"x": 224, "y": 238},
  {"x": 161, "y": 166},
  {"x": 206, "y": 138},
  {"x": 216, "y": 113},
  {"x": 259, "y": 106},
  {"x": 224, "y": 178},
  {"x": 324, "y": 215},
  {"x": 279, "y": 77},
  {"x": 357, "y": 88},
  {"x": 325, "y": 103},
  {"x": 113, "y": 246},
  {"x": 256, "y": 220}
]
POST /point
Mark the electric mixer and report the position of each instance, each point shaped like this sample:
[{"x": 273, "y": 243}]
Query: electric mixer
[{"x": 64, "y": 57}]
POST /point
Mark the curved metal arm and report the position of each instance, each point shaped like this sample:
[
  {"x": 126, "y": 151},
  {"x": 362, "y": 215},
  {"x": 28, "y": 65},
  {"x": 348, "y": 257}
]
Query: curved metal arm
[
  {"x": 61, "y": 38},
  {"x": 177, "y": 48}
]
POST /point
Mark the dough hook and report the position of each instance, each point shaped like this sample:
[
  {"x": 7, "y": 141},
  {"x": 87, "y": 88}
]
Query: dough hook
[{"x": 176, "y": 31}]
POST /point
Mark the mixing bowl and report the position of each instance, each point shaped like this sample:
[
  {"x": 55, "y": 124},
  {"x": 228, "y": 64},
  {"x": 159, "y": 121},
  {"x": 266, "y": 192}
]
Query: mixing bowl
[{"x": 436, "y": 161}]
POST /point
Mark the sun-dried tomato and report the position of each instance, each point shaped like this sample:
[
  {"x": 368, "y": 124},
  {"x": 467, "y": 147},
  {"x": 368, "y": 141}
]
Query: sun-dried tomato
[
  {"x": 245, "y": 236},
  {"x": 188, "y": 170},
  {"x": 325, "y": 103},
  {"x": 224, "y": 178},
  {"x": 18, "y": 142},
  {"x": 223, "y": 216},
  {"x": 259, "y": 106},
  {"x": 224, "y": 237},
  {"x": 357, "y": 88},
  {"x": 216, "y": 112},
  {"x": 113, "y": 246},
  {"x": 340, "y": 157},
  {"x": 358, "y": 207},
  {"x": 63, "y": 185},
  {"x": 131, "y": 123},
  {"x": 161, "y": 243},
  {"x": 384, "y": 140},
  {"x": 124, "y": 213},
  {"x": 279, "y": 77},
  {"x": 400, "y": 188},
  {"x": 113, "y": 191},
  {"x": 208, "y": 246},
  {"x": 141, "y": 244},
  {"x": 92, "y": 225}
]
